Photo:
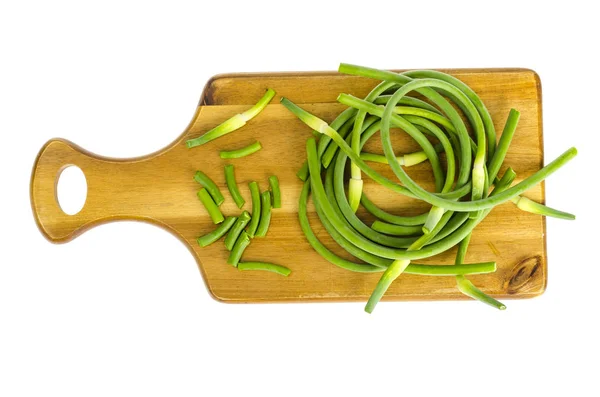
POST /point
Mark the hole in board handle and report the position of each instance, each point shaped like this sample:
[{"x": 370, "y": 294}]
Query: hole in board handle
[{"x": 71, "y": 189}]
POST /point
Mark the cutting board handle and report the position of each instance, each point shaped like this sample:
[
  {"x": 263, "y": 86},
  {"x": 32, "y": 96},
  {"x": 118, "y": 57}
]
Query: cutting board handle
[{"x": 115, "y": 189}]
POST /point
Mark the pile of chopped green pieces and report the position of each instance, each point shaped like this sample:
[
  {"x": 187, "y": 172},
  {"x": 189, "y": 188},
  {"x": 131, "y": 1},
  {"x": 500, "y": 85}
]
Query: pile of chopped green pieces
[
  {"x": 241, "y": 229},
  {"x": 467, "y": 184}
]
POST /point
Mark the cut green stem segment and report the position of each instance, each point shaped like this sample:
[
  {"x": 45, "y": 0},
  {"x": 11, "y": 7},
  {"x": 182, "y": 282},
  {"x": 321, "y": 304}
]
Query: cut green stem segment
[
  {"x": 528, "y": 205},
  {"x": 275, "y": 191},
  {"x": 255, "y": 194},
  {"x": 212, "y": 188},
  {"x": 237, "y": 228},
  {"x": 395, "y": 230},
  {"x": 216, "y": 234},
  {"x": 233, "y": 123},
  {"x": 232, "y": 186},
  {"x": 211, "y": 206},
  {"x": 243, "y": 152},
  {"x": 265, "y": 214},
  {"x": 238, "y": 249},
  {"x": 269, "y": 267},
  {"x": 390, "y": 274}
]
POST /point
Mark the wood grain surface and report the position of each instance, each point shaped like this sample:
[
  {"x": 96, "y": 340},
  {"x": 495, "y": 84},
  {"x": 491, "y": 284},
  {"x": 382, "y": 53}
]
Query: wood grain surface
[{"x": 159, "y": 189}]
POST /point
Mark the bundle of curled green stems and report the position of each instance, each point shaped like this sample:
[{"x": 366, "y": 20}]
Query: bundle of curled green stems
[{"x": 467, "y": 185}]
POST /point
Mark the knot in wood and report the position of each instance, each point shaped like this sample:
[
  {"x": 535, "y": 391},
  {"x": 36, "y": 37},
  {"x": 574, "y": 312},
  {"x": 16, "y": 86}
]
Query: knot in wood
[{"x": 523, "y": 274}]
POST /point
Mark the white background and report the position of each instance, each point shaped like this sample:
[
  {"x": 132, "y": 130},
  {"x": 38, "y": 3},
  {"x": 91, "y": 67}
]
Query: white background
[{"x": 122, "y": 309}]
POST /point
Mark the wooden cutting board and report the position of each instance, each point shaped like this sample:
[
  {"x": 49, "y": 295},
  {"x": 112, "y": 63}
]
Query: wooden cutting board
[{"x": 159, "y": 189}]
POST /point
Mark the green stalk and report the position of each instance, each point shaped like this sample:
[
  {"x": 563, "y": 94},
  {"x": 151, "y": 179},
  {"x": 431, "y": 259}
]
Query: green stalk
[
  {"x": 434, "y": 216},
  {"x": 510, "y": 127},
  {"x": 232, "y": 186},
  {"x": 528, "y": 205},
  {"x": 456, "y": 220},
  {"x": 243, "y": 152},
  {"x": 415, "y": 158},
  {"x": 355, "y": 186},
  {"x": 332, "y": 149},
  {"x": 269, "y": 267},
  {"x": 407, "y": 101},
  {"x": 336, "y": 124},
  {"x": 265, "y": 215},
  {"x": 461, "y": 252},
  {"x": 467, "y": 288},
  {"x": 255, "y": 193},
  {"x": 212, "y": 188},
  {"x": 260, "y": 105},
  {"x": 380, "y": 158},
  {"x": 426, "y": 238},
  {"x": 233, "y": 123},
  {"x": 238, "y": 249},
  {"x": 216, "y": 234},
  {"x": 237, "y": 228},
  {"x": 390, "y": 274},
  {"x": 416, "y": 220},
  {"x": 211, "y": 206},
  {"x": 395, "y": 230},
  {"x": 451, "y": 270},
  {"x": 324, "y": 141},
  {"x": 426, "y": 114},
  {"x": 275, "y": 191},
  {"x": 302, "y": 173}
]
